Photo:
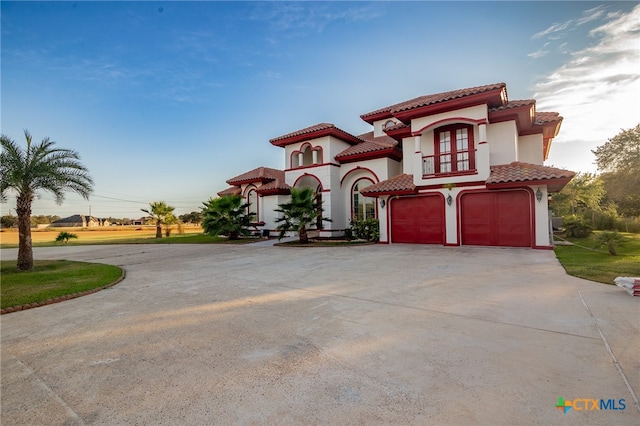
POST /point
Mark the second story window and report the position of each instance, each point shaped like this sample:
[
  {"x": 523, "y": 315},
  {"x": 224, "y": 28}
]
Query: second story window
[{"x": 454, "y": 149}]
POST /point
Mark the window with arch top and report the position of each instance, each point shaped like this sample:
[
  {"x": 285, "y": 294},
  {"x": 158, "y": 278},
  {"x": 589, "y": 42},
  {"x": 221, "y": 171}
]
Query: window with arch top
[
  {"x": 362, "y": 208},
  {"x": 252, "y": 199}
]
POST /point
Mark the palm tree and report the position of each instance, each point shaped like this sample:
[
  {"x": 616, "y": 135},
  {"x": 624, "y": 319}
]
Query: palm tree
[
  {"x": 226, "y": 215},
  {"x": 162, "y": 213},
  {"x": 39, "y": 166},
  {"x": 610, "y": 239},
  {"x": 303, "y": 209}
]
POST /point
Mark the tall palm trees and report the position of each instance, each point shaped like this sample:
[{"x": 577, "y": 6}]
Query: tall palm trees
[
  {"x": 39, "y": 166},
  {"x": 162, "y": 213},
  {"x": 302, "y": 210},
  {"x": 226, "y": 215}
]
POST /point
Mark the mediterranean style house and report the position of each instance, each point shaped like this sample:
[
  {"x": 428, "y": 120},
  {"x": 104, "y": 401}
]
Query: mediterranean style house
[{"x": 463, "y": 167}]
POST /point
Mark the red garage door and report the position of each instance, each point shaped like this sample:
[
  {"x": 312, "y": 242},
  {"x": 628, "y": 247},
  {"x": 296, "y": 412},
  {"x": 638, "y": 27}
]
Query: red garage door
[
  {"x": 496, "y": 218},
  {"x": 417, "y": 220}
]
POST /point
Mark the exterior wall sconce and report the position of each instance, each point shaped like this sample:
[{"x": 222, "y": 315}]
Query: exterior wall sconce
[
  {"x": 539, "y": 195},
  {"x": 382, "y": 204},
  {"x": 449, "y": 199}
]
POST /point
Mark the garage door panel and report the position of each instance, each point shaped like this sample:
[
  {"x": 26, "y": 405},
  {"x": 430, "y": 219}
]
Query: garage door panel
[
  {"x": 496, "y": 218},
  {"x": 417, "y": 220}
]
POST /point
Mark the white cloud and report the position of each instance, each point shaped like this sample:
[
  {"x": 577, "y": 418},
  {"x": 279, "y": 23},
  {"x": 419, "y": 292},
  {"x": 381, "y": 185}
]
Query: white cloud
[
  {"x": 553, "y": 29},
  {"x": 538, "y": 53},
  {"x": 591, "y": 15},
  {"x": 598, "y": 90},
  {"x": 312, "y": 17}
]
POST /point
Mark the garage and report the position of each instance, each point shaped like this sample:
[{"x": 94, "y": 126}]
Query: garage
[
  {"x": 417, "y": 220},
  {"x": 500, "y": 218}
]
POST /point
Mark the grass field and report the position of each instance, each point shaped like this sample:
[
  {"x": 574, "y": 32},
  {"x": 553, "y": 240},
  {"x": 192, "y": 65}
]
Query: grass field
[
  {"x": 111, "y": 235},
  {"x": 51, "y": 279},
  {"x": 582, "y": 261}
]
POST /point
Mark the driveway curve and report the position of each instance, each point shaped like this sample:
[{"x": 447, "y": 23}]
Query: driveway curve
[{"x": 385, "y": 334}]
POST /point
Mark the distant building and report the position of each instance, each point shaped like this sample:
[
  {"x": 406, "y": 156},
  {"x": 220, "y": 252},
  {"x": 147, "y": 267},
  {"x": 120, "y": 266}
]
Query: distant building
[{"x": 80, "y": 221}]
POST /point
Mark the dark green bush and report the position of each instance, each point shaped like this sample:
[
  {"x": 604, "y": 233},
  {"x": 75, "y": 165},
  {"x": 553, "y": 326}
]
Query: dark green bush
[
  {"x": 366, "y": 229},
  {"x": 577, "y": 227}
]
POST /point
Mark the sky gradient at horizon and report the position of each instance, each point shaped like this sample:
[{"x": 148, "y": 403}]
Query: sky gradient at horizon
[{"x": 168, "y": 100}]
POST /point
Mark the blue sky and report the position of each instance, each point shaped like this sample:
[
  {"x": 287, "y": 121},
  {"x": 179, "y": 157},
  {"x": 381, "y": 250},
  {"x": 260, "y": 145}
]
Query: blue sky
[{"x": 168, "y": 100}]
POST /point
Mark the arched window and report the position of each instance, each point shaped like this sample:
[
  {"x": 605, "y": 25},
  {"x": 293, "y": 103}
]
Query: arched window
[
  {"x": 252, "y": 199},
  {"x": 362, "y": 207},
  {"x": 307, "y": 156}
]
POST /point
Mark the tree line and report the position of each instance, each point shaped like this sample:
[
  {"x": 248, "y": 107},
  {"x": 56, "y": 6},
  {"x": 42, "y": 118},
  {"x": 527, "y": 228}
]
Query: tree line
[{"x": 609, "y": 200}]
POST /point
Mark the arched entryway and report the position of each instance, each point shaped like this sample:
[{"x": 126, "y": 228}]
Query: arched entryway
[{"x": 312, "y": 182}]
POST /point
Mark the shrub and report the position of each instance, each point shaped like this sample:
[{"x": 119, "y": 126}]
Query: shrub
[
  {"x": 348, "y": 234},
  {"x": 577, "y": 227},
  {"x": 368, "y": 229},
  {"x": 64, "y": 237},
  {"x": 610, "y": 239}
]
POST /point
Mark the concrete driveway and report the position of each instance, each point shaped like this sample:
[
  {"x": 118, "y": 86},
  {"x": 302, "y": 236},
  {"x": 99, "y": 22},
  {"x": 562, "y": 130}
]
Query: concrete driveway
[{"x": 399, "y": 334}]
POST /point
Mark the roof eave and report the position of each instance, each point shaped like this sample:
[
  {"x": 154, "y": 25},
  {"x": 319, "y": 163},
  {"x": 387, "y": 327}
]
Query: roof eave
[
  {"x": 332, "y": 131},
  {"x": 553, "y": 185},
  {"x": 397, "y": 192},
  {"x": 392, "y": 153},
  {"x": 492, "y": 98}
]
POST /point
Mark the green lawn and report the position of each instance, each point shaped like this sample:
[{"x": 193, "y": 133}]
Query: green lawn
[
  {"x": 599, "y": 265},
  {"x": 51, "y": 279},
  {"x": 177, "y": 239}
]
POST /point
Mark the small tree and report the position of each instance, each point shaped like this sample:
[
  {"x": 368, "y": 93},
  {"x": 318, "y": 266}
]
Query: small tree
[
  {"x": 610, "y": 239},
  {"x": 193, "y": 217},
  {"x": 226, "y": 215},
  {"x": 64, "y": 237},
  {"x": 302, "y": 210},
  {"x": 162, "y": 213}
]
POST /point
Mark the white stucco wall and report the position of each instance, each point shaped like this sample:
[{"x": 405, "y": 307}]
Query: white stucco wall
[
  {"x": 408, "y": 151},
  {"x": 541, "y": 211},
  {"x": 330, "y": 147},
  {"x": 503, "y": 142},
  {"x": 268, "y": 205},
  {"x": 378, "y": 126},
  {"x": 478, "y": 112},
  {"x": 530, "y": 149}
]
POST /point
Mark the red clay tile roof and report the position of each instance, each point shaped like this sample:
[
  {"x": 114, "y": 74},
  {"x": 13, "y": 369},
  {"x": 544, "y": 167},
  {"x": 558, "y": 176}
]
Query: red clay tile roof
[
  {"x": 261, "y": 174},
  {"x": 435, "y": 98},
  {"x": 401, "y": 184},
  {"x": 371, "y": 144},
  {"x": 274, "y": 186},
  {"x": 310, "y": 129},
  {"x": 519, "y": 172},
  {"x": 396, "y": 126},
  {"x": 317, "y": 130},
  {"x": 514, "y": 104},
  {"x": 547, "y": 117},
  {"x": 234, "y": 190}
]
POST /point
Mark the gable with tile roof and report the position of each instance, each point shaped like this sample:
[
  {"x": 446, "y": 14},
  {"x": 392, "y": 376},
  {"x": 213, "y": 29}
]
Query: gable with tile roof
[{"x": 458, "y": 167}]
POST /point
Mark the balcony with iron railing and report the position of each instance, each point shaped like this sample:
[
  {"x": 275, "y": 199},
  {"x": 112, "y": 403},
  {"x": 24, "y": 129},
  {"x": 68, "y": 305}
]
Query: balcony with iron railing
[{"x": 443, "y": 165}]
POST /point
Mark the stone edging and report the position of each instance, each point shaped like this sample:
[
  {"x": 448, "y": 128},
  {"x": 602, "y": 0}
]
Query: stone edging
[{"x": 62, "y": 298}]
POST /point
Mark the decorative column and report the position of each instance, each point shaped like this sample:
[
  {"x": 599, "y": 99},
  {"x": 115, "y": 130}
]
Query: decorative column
[
  {"x": 300, "y": 159},
  {"x": 314, "y": 155}
]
